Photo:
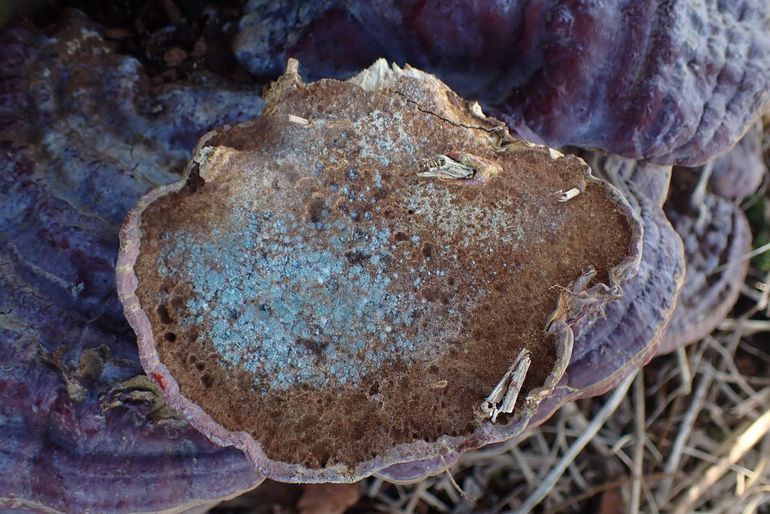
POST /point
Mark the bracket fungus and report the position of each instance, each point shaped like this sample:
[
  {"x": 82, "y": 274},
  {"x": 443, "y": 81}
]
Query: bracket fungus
[
  {"x": 372, "y": 272},
  {"x": 83, "y": 429},
  {"x": 671, "y": 81},
  {"x": 702, "y": 205}
]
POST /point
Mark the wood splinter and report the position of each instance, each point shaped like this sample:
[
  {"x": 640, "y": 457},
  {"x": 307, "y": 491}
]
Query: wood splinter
[
  {"x": 446, "y": 168},
  {"x": 503, "y": 397},
  {"x": 299, "y": 120},
  {"x": 565, "y": 196}
]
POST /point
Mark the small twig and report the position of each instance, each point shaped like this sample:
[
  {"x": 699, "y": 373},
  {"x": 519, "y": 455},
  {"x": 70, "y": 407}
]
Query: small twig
[
  {"x": 683, "y": 434},
  {"x": 729, "y": 362},
  {"x": 761, "y": 399},
  {"x": 697, "y": 200},
  {"x": 503, "y": 397},
  {"x": 578, "y": 421},
  {"x": 764, "y": 462},
  {"x": 753, "y": 505},
  {"x": 750, "y": 326},
  {"x": 566, "y": 196},
  {"x": 453, "y": 482},
  {"x": 684, "y": 369},
  {"x": 765, "y": 297},
  {"x": 299, "y": 120},
  {"x": 523, "y": 466},
  {"x": 416, "y": 496},
  {"x": 434, "y": 502},
  {"x": 757, "y": 251},
  {"x": 615, "y": 484},
  {"x": 444, "y": 167},
  {"x": 707, "y": 457}
]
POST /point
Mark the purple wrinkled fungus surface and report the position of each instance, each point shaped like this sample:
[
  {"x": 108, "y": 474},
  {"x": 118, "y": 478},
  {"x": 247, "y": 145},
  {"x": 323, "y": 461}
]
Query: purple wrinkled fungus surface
[
  {"x": 740, "y": 172},
  {"x": 611, "y": 346},
  {"x": 716, "y": 237},
  {"x": 670, "y": 81},
  {"x": 83, "y": 428},
  {"x": 87, "y": 144}
]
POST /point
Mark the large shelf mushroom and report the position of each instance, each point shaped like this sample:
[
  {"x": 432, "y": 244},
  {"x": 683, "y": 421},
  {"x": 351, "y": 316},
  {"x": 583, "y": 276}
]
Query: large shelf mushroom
[
  {"x": 671, "y": 81},
  {"x": 372, "y": 272},
  {"x": 83, "y": 429}
]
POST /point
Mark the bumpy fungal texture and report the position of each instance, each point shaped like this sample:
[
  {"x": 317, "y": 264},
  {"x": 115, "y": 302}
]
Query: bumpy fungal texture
[
  {"x": 308, "y": 287},
  {"x": 716, "y": 237},
  {"x": 417, "y": 470},
  {"x": 625, "y": 335},
  {"x": 83, "y": 429},
  {"x": 740, "y": 172},
  {"x": 672, "y": 81}
]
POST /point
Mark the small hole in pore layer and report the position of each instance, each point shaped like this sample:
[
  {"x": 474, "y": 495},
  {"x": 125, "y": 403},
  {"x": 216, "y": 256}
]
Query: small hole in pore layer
[
  {"x": 170, "y": 337},
  {"x": 316, "y": 208},
  {"x": 207, "y": 381},
  {"x": 200, "y": 366},
  {"x": 163, "y": 314}
]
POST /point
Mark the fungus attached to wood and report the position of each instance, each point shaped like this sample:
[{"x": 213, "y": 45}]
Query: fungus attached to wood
[{"x": 392, "y": 279}]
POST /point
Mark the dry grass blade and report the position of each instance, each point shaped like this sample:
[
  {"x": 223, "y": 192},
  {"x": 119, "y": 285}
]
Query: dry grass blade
[
  {"x": 744, "y": 443},
  {"x": 684, "y": 432},
  {"x": 636, "y": 484}
]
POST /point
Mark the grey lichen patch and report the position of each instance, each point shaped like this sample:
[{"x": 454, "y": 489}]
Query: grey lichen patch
[
  {"x": 381, "y": 134},
  {"x": 298, "y": 307},
  {"x": 479, "y": 222}
]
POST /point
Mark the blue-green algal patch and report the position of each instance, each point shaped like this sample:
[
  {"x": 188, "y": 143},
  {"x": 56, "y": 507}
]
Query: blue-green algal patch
[{"x": 295, "y": 305}]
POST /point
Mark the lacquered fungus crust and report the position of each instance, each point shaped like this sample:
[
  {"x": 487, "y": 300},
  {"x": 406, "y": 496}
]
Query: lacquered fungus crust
[
  {"x": 312, "y": 286},
  {"x": 671, "y": 81}
]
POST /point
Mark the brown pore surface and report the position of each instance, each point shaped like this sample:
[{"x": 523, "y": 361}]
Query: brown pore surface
[{"x": 474, "y": 262}]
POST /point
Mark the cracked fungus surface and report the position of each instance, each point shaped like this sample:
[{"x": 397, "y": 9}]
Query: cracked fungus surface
[{"x": 312, "y": 290}]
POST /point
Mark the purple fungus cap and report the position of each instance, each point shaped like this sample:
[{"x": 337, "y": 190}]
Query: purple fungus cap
[
  {"x": 371, "y": 273},
  {"x": 740, "y": 172},
  {"x": 610, "y": 346},
  {"x": 83, "y": 429},
  {"x": 671, "y": 81},
  {"x": 717, "y": 240}
]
